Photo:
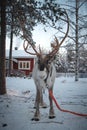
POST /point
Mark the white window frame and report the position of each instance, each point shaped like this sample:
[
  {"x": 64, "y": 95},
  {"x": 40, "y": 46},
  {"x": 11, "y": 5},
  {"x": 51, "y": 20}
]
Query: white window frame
[{"x": 24, "y": 65}]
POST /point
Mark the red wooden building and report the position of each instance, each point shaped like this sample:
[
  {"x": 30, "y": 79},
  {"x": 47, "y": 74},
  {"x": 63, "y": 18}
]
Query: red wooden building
[{"x": 22, "y": 62}]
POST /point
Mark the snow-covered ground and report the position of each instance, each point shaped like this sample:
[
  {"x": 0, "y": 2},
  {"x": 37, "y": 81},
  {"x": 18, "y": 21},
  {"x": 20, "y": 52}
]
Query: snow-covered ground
[{"x": 16, "y": 107}]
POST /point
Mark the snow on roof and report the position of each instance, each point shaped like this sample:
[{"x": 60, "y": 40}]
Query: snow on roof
[{"x": 20, "y": 54}]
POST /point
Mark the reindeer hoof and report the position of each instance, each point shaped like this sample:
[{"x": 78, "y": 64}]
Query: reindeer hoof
[
  {"x": 43, "y": 105},
  {"x": 35, "y": 119},
  {"x": 51, "y": 117},
  {"x": 51, "y": 114}
]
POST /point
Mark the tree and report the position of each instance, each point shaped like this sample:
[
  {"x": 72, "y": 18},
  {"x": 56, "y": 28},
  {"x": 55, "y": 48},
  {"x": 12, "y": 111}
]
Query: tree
[
  {"x": 60, "y": 62},
  {"x": 83, "y": 60},
  {"x": 70, "y": 58},
  {"x": 2, "y": 47},
  {"x": 11, "y": 44},
  {"x": 78, "y": 29},
  {"x": 78, "y": 33}
]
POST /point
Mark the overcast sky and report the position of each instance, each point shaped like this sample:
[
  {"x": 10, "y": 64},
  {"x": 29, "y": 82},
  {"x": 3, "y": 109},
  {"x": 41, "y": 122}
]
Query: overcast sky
[{"x": 39, "y": 35}]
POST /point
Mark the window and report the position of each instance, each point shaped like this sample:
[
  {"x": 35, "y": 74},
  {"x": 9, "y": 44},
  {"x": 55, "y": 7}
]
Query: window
[
  {"x": 24, "y": 65},
  {"x": 20, "y": 64}
]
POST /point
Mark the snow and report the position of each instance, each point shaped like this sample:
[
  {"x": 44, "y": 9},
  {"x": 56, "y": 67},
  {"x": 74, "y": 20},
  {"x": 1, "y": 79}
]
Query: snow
[
  {"x": 20, "y": 53},
  {"x": 16, "y": 107}
]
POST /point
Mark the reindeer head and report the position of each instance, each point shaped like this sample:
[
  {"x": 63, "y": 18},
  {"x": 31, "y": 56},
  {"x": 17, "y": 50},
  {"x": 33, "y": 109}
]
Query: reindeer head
[{"x": 44, "y": 60}]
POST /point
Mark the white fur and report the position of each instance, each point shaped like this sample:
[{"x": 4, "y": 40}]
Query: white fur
[
  {"x": 51, "y": 79},
  {"x": 43, "y": 79},
  {"x": 40, "y": 76}
]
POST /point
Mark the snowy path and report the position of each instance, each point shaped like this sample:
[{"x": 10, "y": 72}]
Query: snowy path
[{"x": 16, "y": 107}]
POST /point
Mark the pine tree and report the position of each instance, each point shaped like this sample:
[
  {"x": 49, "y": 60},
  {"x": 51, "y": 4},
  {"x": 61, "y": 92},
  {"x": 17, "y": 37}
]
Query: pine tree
[{"x": 2, "y": 48}]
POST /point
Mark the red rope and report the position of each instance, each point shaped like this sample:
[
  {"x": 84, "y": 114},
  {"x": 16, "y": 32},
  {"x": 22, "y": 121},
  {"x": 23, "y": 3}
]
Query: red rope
[{"x": 63, "y": 110}]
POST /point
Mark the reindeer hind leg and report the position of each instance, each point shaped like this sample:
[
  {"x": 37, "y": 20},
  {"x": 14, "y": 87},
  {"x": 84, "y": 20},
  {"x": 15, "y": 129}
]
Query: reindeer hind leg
[{"x": 51, "y": 111}]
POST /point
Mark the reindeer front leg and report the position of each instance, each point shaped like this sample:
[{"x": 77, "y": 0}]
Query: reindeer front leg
[
  {"x": 37, "y": 112},
  {"x": 42, "y": 103},
  {"x": 51, "y": 111}
]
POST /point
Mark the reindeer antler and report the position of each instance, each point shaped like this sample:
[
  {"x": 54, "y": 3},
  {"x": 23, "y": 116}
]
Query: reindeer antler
[
  {"x": 27, "y": 40},
  {"x": 57, "y": 46},
  {"x": 26, "y": 47}
]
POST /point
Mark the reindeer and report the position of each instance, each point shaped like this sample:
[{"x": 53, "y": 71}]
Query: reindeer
[{"x": 44, "y": 72}]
